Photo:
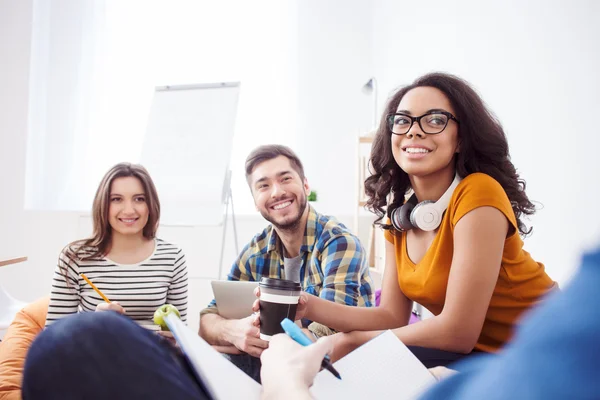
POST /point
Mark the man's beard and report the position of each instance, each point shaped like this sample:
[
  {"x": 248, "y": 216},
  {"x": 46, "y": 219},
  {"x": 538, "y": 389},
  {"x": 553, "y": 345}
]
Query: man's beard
[{"x": 291, "y": 225}]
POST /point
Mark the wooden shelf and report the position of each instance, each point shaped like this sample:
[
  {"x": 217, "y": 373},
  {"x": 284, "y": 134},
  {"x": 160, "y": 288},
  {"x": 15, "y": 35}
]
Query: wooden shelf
[{"x": 365, "y": 139}]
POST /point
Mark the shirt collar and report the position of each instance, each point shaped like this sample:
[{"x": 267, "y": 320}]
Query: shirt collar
[{"x": 274, "y": 243}]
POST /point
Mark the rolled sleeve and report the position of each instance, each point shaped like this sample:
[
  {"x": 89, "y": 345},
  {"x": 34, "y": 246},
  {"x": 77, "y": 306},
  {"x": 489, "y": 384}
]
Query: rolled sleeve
[
  {"x": 320, "y": 330},
  {"x": 210, "y": 309},
  {"x": 344, "y": 263}
]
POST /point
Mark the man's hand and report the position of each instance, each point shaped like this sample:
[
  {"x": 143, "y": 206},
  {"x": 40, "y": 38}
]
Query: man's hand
[
  {"x": 231, "y": 349},
  {"x": 112, "y": 306},
  {"x": 289, "y": 368},
  {"x": 300, "y": 310},
  {"x": 168, "y": 336},
  {"x": 245, "y": 335}
]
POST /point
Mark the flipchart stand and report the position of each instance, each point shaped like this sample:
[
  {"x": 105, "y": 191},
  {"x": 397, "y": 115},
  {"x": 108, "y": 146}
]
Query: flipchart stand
[{"x": 227, "y": 200}]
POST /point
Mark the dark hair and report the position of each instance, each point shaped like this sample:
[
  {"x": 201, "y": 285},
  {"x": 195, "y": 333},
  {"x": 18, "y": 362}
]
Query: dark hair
[
  {"x": 483, "y": 148},
  {"x": 269, "y": 152},
  {"x": 98, "y": 244}
]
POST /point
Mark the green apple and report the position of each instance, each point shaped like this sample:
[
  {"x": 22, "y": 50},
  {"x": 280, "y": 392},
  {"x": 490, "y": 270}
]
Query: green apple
[{"x": 160, "y": 314}]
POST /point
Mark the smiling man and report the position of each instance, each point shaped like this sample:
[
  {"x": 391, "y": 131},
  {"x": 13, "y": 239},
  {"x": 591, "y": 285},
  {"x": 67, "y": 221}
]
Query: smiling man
[{"x": 299, "y": 244}]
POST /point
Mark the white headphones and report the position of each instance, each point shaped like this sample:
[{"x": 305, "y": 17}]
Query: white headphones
[{"x": 427, "y": 215}]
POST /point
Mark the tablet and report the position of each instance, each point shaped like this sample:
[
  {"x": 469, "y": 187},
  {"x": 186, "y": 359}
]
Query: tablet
[{"x": 234, "y": 298}]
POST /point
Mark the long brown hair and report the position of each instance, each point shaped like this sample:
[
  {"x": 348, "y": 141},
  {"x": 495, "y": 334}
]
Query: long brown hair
[
  {"x": 98, "y": 244},
  {"x": 483, "y": 148}
]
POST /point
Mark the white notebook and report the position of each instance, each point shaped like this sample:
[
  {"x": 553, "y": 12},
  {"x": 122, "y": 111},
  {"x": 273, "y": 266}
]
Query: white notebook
[{"x": 381, "y": 368}]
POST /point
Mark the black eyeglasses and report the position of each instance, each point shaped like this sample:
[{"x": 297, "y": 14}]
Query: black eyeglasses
[{"x": 431, "y": 123}]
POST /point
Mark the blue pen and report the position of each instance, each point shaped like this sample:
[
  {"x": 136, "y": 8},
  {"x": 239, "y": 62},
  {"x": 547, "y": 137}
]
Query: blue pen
[{"x": 296, "y": 333}]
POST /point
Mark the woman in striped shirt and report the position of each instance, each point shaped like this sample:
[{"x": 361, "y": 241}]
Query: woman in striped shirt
[{"x": 135, "y": 270}]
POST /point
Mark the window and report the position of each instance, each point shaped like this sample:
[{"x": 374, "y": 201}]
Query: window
[{"x": 94, "y": 66}]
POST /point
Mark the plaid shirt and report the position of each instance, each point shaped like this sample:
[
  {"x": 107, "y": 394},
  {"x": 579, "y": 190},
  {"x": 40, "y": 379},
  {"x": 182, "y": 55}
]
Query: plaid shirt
[{"x": 334, "y": 264}]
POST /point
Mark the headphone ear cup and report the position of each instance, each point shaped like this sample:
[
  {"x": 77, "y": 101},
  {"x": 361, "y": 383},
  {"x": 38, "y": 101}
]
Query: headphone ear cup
[
  {"x": 426, "y": 216},
  {"x": 401, "y": 217}
]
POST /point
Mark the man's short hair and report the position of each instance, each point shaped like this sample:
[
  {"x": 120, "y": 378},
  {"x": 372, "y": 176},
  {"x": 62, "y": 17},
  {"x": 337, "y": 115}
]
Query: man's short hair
[{"x": 269, "y": 152}]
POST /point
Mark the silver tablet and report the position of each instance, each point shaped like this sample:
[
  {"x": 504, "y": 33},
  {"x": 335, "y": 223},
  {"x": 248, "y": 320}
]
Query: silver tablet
[{"x": 234, "y": 298}]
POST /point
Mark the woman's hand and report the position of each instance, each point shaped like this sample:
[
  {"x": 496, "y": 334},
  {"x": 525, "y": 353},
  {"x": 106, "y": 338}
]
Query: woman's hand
[
  {"x": 112, "y": 306},
  {"x": 344, "y": 343},
  {"x": 300, "y": 310}
]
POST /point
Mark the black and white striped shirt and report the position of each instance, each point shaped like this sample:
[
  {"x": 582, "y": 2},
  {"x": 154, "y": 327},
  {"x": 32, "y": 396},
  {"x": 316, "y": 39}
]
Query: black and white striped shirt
[{"x": 139, "y": 288}]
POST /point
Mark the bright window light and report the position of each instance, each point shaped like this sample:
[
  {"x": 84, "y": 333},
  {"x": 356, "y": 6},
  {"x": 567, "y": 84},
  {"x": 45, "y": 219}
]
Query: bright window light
[{"x": 94, "y": 66}]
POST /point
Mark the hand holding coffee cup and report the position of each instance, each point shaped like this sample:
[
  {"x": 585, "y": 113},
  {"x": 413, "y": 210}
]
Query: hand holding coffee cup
[
  {"x": 244, "y": 334},
  {"x": 278, "y": 300},
  {"x": 301, "y": 309}
]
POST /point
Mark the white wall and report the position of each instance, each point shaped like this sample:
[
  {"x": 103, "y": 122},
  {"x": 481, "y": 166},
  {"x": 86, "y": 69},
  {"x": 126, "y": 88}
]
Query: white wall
[
  {"x": 536, "y": 64},
  {"x": 333, "y": 64},
  {"x": 15, "y": 34}
]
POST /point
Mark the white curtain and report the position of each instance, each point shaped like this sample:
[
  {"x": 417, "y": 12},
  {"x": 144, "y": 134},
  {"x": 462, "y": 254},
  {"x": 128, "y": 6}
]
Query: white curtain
[
  {"x": 66, "y": 40},
  {"x": 95, "y": 64}
]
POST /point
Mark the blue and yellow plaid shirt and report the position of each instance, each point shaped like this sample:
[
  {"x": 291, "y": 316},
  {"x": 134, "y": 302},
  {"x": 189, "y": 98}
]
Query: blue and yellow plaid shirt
[{"x": 334, "y": 264}]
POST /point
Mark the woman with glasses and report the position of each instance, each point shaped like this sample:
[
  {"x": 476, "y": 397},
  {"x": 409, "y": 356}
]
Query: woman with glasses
[{"x": 451, "y": 205}]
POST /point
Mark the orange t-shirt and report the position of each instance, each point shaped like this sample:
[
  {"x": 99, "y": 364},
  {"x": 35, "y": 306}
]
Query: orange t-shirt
[{"x": 521, "y": 281}]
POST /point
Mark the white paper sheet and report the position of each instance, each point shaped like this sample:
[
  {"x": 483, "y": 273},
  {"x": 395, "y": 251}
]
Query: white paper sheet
[
  {"x": 222, "y": 379},
  {"x": 382, "y": 368}
]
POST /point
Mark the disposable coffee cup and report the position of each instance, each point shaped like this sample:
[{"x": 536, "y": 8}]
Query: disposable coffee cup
[{"x": 278, "y": 301}]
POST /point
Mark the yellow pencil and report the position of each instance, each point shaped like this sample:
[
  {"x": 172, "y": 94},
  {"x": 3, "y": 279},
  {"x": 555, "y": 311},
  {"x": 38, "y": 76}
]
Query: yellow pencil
[{"x": 95, "y": 288}]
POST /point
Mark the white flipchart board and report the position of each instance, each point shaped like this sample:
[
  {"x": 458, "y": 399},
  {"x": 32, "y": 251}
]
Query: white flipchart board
[{"x": 187, "y": 150}]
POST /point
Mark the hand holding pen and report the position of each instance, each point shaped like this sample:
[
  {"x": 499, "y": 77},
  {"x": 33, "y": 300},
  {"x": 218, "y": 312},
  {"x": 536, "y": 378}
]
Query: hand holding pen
[
  {"x": 107, "y": 305},
  {"x": 296, "y": 333},
  {"x": 288, "y": 367}
]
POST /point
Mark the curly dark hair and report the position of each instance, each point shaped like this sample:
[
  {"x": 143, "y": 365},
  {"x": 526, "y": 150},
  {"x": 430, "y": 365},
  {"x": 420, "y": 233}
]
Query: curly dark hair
[{"x": 483, "y": 148}]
